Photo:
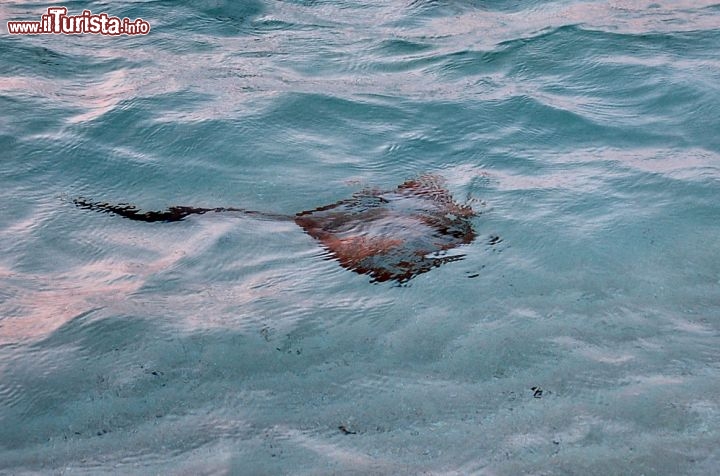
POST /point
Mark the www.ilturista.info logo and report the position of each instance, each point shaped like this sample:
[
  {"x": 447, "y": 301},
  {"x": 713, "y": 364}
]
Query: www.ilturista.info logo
[{"x": 57, "y": 21}]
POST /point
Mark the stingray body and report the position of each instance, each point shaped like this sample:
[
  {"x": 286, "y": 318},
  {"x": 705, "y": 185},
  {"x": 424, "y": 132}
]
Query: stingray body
[{"x": 388, "y": 235}]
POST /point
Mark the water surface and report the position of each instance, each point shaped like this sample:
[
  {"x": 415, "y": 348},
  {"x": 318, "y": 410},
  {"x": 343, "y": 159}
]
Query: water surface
[{"x": 583, "y": 132}]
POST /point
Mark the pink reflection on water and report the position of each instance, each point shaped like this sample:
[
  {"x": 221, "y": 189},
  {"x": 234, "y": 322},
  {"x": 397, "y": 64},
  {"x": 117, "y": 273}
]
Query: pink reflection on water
[
  {"x": 100, "y": 97},
  {"x": 55, "y": 300},
  {"x": 36, "y": 305}
]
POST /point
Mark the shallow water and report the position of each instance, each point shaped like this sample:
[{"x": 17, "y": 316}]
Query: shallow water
[{"x": 585, "y": 134}]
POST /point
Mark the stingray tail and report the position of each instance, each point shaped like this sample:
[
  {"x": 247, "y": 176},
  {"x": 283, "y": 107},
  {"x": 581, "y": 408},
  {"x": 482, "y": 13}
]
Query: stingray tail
[{"x": 170, "y": 215}]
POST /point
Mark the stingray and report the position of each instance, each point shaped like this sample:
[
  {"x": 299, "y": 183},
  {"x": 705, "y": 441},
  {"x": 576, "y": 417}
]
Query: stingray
[{"x": 390, "y": 235}]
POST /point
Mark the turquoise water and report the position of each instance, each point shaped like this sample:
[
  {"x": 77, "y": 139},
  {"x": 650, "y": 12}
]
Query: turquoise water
[{"x": 586, "y": 135}]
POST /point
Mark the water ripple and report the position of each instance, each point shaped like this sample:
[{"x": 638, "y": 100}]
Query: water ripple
[{"x": 581, "y": 133}]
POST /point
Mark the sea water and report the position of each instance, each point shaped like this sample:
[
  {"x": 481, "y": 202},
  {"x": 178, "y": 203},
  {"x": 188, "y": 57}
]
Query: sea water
[{"x": 585, "y": 134}]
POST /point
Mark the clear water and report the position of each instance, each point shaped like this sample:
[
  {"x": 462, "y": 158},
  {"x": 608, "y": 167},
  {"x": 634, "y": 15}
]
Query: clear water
[{"x": 587, "y": 133}]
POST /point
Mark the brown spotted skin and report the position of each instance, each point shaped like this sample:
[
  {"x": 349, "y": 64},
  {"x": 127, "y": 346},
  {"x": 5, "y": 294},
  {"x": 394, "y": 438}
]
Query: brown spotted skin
[{"x": 392, "y": 235}]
